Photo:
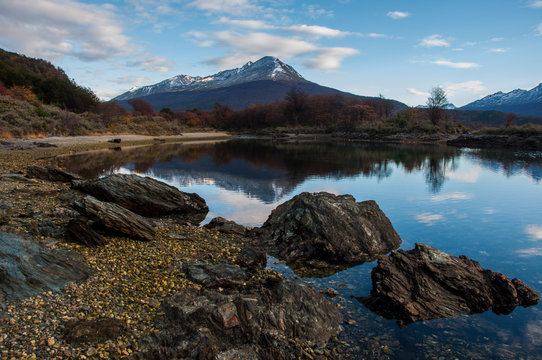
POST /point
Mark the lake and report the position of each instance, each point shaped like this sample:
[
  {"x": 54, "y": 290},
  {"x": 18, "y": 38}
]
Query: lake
[{"x": 485, "y": 204}]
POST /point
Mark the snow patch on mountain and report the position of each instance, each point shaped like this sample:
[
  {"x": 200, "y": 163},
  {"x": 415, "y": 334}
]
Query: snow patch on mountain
[
  {"x": 514, "y": 97},
  {"x": 267, "y": 68}
]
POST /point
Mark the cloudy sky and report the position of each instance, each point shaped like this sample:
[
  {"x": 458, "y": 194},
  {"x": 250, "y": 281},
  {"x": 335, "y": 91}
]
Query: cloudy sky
[{"x": 396, "y": 48}]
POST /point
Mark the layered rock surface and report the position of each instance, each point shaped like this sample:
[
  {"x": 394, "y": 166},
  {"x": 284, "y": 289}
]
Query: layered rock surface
[
  {"x": 426, "y": 283},
  {"x": 323, "y": 226},
  {"x": 28, "y": 268},
  {"x": 145, "y": 196},
  {"x": 259, "y": 319}
]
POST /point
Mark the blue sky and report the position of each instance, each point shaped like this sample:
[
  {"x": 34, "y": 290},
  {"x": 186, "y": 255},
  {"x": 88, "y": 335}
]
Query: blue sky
[{"x": 399, "y": 49}]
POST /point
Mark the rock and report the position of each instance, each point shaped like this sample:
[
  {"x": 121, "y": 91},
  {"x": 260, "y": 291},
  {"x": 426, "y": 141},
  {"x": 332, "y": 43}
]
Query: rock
[
  {"x": 219, "y": 275},
  {"x": 323, "y": 226},
  {"x": 94, "y": 331},
  {"x": 116, "y": 218},
  {"x": 28, "y": 269},
  {"x": 145, "y": 196},
  {"x": 252, "y": 259},
  {"x": 115, "y": 141},
  {"x": 426, "y": 283},
  {"x": 80, "y": 231},
  {"x": 330, "y": 292},
  {"x": 262, "y": 320},
  {"x": 49, "y": 173},
  {"x": 226, "y": 226}
]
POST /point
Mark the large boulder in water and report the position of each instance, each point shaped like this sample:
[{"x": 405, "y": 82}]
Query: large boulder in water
[
  {"x": 262, "y": 319},
  {"x": 145, "y": 196},
  {"x": 426, "y": 283},
  {"x": 323, "y": 226},
  {"x": 28, "y": 268}
]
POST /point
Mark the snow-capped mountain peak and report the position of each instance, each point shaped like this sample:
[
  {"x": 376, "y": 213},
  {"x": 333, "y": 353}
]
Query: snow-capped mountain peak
[{"x": 267, "y": 68}]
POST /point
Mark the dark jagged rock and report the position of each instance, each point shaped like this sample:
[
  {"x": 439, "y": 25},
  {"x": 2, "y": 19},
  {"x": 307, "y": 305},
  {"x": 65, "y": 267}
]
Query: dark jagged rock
[
  {"x": 262, "y": 320},
  {"x": 226, "y": 226},
  {"x": 145, "y": 196},
  {"x": 252, "y": 259},
  {"x": 327, "y": 227},
  {"x": 49, "y": 173},
  {"x": 28, "y": 269},
  {"x": 517, "y": 142},
  {"x": 219, "y": 275},
  {"x": 114, "y": 217},
  {"x": 426, "y": 283},
  {"x": 94, "y": 331},
  {"x": 80, "y": 231}
]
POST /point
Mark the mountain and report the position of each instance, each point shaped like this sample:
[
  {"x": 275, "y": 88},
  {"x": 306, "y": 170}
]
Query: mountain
[
  {"x": 447, "y": 107},
  {"x": 260, "y": 82},
  {"x": 524, "y": 102}
]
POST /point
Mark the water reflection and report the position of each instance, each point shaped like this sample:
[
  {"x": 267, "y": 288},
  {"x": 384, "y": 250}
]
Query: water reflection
[{"x": 268, "y": 171}]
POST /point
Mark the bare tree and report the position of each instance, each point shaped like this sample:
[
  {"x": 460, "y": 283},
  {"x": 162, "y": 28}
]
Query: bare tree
[{"x": 436, "y": 103}]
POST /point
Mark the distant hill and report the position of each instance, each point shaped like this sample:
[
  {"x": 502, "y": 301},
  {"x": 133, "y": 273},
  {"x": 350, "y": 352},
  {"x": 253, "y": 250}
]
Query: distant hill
[
  {"x": 260, "y": 82},
  {"x": 523, "y": 102},
  {"x": 50, "y": 84}
]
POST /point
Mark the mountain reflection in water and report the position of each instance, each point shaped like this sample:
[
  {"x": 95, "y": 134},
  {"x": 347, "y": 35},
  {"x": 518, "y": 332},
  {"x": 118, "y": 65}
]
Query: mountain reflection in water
[{"x": 265, "y": 170}]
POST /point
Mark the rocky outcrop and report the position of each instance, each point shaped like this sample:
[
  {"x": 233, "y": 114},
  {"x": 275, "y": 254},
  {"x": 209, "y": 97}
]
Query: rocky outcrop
[
  {"x": 226, "y": 226},
  {"x": 145, "y": 196},
  {"x": 251, "y": 259},
  {"x": 80, "y": 231},
  {"x": 49, "y": 173},
  {"x": 28, "y": 269},
  {"x": 263, "y": 319},
  {"x": 517, "y": 142},
  {"x": 327, "y": 227},
  {"x": 116, "y": 218},
  {"x": 426, "y": 283},
  {"x": 94, "y": 331}
]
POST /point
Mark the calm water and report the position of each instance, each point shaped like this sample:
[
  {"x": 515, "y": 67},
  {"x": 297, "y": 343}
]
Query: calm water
[{"x": 483, "y": 204}]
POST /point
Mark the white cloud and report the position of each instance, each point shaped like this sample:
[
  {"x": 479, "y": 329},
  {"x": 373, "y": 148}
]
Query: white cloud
[
  {"x": 434, "y": 41},
  {"x": 417, "y": 92},
  {"x": 534, "y": 232},
  {"x": 131, "y": 80},
  {"x": 330, "y": 58},
  {"x": 456, "y": 65},
  {"x": 496, "y": 39},
  {"x": 150, "y": 63},
  {"x": 376, "y": 36},
  {"x": 451, "y": 196},
  {"x": 473, "y": 86},
  {"x": 249, "y": 24},
  {"x": 535, "y": 4},
  {"x": 315, "y": 11},
  {"x": 256, "y": 45},
  {"x": 57, "y": 28},
  {"x": 317, "y": 31},
  {"x": 498, "y": 50},
  {"x": 539, "y": 29},
  {"x": 428, "y": 218},
  {"x": 398, "y": 14},
  {"x": 239, "y": 7}
]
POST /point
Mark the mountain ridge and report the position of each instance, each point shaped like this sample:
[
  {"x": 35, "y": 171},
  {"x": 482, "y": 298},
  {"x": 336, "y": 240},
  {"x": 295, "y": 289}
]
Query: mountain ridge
[
  {"x": 261, "y": 82},
  {"x": 524, "y": 102},
  {"x": 266, "y": 68}
]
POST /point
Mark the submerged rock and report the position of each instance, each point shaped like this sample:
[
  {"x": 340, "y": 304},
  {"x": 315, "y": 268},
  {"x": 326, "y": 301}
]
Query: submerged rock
[
  {"x": 226, "y": 226},
  {"x": 116, "y": 218},
  {"x": 426, "y": 283},
  {"x": 28, "y": 268},
  {"x": 145, "y": 196},
  {"x": 49, "y": 173},
  {"x": 262, "y": 320},
  {"x": 327, "y": 227}
]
